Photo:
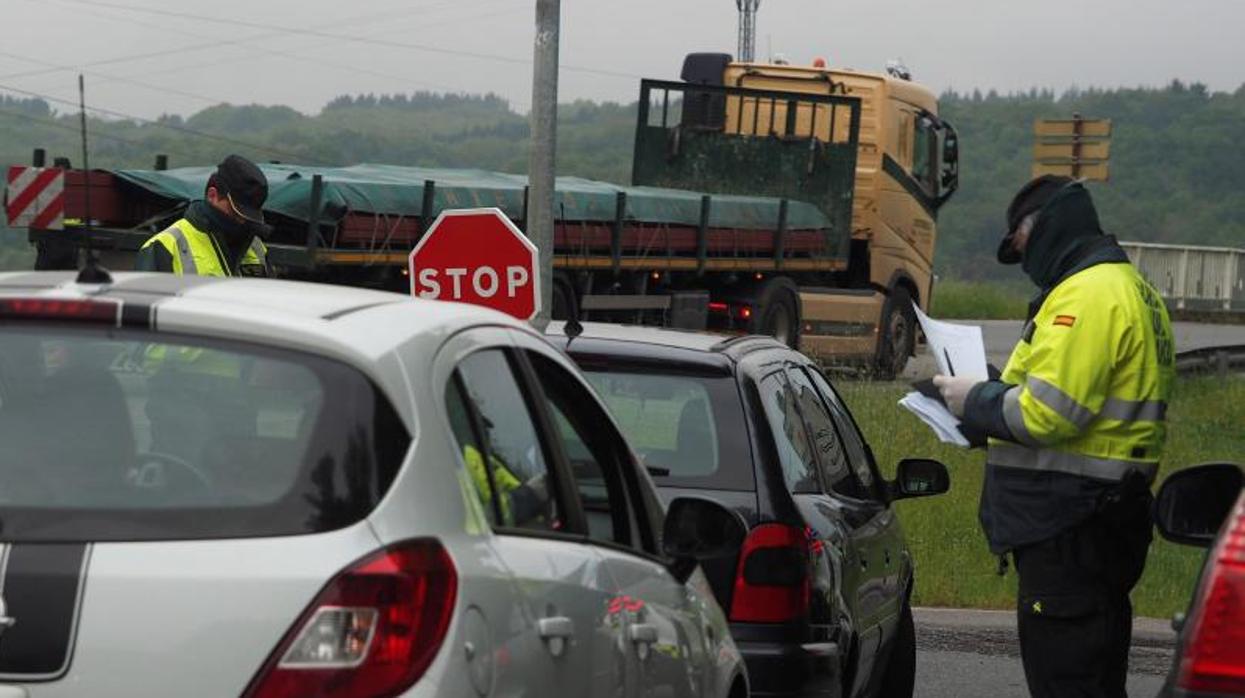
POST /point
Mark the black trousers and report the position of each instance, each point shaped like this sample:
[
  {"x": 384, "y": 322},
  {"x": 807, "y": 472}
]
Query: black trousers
[{"x": 1074, "y": 612}]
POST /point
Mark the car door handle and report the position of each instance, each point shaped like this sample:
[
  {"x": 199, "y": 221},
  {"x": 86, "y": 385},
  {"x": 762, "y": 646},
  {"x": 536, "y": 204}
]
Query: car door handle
[
  {"x": 643, "y": 636},
  {"x": 642, "y": 633},
  {"x": 556, "y": 626},
  {"x": 556, "y": 631}
]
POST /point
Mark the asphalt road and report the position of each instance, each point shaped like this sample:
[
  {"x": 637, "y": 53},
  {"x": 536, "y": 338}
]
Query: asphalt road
[
  {"x": 1001, "y": 335},
  {"x": 974, "y": 654}
]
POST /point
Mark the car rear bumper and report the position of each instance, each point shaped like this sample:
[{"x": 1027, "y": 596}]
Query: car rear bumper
[{"x": 806, "y": 670}]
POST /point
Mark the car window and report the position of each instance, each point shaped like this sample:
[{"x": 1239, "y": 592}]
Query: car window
[
  {"x": 688, "y": 429},
  {"x": 837, "y": 472},
  {"x": 857, "y": 454},
  {"x": 795, "y": 453},
  {"x": 114, "y": 436},
  {"x": 507, "y": 459},
  {"x": 596, "y": 456},
  {"x": 667, "y": 418},
  {"x": 469, "y": 443}
]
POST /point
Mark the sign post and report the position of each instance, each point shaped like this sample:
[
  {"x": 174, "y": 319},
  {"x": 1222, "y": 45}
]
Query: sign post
[
  {"x": 478, "y": 256},
  {"x": 1076, "y": 147}
]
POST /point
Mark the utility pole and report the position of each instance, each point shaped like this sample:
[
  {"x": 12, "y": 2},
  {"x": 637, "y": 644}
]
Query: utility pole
[
  {"x": 541, "y": 161},
  {"x": 747, "y": 29}
]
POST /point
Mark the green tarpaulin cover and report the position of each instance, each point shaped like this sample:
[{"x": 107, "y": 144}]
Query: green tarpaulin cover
[{"x": 392, "y": 190}]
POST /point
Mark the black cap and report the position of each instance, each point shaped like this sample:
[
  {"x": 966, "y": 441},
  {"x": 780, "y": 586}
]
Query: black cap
[
  {"x": 244, "y": 184},
  {"x": 1031, "y": 197}
]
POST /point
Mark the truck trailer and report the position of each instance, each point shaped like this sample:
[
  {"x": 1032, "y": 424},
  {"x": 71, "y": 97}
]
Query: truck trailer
[{"x": 795, "y": 201}]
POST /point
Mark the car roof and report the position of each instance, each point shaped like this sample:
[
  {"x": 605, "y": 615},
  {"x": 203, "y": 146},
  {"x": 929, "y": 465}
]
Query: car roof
[
  {"x": 317, "y": 313},
  {"x": 636, "y": 341}
]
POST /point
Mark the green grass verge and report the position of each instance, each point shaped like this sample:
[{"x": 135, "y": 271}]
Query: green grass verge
[
  {"x": 953, "y": 565},
  {"x": 979, "y": 300}
]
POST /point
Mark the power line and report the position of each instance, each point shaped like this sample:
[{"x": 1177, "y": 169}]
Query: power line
[
  {"x": 305, "y": 58},
  {"x": 117, "y": 78},
  {"x": 284, "y": 54},
  {"x": 95, "y": 134},
  {"x": 161, "y": 124},
  {"x": 214, "y": 44},
  {"x": 235, "y": 22}
]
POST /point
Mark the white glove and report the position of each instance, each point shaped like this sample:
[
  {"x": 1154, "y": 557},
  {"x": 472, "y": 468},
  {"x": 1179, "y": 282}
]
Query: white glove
[{"x": 955, "y": 391}]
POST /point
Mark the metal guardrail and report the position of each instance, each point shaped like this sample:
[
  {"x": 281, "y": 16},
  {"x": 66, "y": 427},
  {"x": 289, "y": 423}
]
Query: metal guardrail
[
  {"x": 1193, "y": 278},
  {"x": 1218, "y": 360}
]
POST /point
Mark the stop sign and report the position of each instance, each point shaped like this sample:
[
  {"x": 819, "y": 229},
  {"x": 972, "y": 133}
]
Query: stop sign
[{"x": 477, "y": 256}]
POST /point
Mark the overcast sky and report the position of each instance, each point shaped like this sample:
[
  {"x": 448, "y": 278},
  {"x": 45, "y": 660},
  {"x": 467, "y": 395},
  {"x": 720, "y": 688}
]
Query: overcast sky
[{"x": 147, "y": 57}]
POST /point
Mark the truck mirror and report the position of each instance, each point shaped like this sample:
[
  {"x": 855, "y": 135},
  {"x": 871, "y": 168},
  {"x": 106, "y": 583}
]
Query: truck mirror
[
  {"x": 950, "y": 145},
  {"x": 950, "y": 171}
]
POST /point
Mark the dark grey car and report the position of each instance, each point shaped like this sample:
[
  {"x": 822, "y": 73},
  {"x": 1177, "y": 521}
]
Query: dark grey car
[{"x": 818, "y": 593}]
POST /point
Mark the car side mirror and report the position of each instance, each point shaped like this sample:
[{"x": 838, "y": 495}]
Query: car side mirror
[
  {"x": 920, "y": 477},
  {"x": 1192, "y": 503},
  {"x": 697, "y": 530}
]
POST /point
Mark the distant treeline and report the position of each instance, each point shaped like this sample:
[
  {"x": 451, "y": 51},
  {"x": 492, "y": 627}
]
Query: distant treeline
[{"x": 1177, "y": 159}]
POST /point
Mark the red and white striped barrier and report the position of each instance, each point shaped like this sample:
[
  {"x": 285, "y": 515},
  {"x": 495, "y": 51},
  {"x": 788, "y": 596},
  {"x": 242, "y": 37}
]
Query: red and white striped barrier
[{"x": 35, "y": 198}]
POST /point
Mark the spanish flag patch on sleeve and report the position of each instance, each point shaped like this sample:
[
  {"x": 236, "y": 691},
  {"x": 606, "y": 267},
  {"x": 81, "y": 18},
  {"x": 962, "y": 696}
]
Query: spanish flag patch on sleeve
[{"x": 1064, "y": 320}]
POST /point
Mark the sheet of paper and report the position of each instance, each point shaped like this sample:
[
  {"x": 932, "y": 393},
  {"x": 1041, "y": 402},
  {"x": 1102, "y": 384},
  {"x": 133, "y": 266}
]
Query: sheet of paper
[
  {"x": 958, "y": 349},
  {"x": 936, "y": 416}
]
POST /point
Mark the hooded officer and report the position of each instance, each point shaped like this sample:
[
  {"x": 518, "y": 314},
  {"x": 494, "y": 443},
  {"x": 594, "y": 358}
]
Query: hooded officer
[
  {"x": 1074, "y": 429},
  {"x": 220, "y": 234}
]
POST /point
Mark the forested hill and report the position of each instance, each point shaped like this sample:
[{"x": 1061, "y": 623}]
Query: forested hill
[
  {"x": 1177, "y": 166},
  {"x": 1178, "y": 153}
]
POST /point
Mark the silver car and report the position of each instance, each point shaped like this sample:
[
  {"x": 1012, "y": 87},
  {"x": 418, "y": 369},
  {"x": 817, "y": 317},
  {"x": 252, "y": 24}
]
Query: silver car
[{"x": 264, "y": 488}]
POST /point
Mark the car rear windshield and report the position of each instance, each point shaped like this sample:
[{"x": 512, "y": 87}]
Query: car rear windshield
[
  {"x": 109, "y": 435},
  {"x": 688, "y": 429}
]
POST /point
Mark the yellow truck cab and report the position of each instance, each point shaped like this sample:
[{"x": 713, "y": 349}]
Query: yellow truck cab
[{"x": 906, "y": 169}]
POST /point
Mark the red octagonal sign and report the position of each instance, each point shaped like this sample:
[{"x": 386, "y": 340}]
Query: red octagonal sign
[{"x": 477, "y": 256}]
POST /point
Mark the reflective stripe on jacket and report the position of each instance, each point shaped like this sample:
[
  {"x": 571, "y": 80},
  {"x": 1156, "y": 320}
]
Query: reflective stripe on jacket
[
  {"x": 195, "y": 252},
  {"x": 1092, "y": 379}
]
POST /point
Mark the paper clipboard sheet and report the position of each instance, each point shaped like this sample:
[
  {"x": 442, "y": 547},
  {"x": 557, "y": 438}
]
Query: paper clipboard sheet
[
  {"x": 944, "y": 424},
  {"x": 958, "y": 349}
]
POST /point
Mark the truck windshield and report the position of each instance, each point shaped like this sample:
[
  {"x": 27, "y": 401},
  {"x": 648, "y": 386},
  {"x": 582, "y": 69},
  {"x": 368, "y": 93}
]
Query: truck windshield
[
  {"x": 111, "y": 435},
  {"x": 689, "y": 430}
]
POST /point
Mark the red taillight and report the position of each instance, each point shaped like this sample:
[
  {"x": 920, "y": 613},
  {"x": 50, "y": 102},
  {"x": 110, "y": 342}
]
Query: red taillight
[
  {"x": 772, "y": 582},
  {"x": 372, "y": 631},
  {"x": 716, "y": 307},
  {"x": 1214, "y": 654},
  {"x": 54, "y": 309},
  {"x": 745, "y": 312}
]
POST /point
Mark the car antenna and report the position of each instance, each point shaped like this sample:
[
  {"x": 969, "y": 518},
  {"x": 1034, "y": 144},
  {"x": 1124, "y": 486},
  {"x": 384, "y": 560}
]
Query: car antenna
[
  {"x": 92, "y": 272},
  {"x": 573, "y": 328}
]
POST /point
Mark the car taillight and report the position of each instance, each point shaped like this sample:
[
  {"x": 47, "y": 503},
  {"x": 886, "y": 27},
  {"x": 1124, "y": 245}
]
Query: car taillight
[
  {"x": 60, "y": 309},
  {"x": 772, "y": 583},
  {"x": 1214, "y": 654},
  {"x": 372, "y": 631}
]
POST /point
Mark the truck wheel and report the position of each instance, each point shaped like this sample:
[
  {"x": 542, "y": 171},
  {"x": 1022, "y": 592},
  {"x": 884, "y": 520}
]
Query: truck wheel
[
  {"x": 896, "y": 335},
  {"x": 779, "y": 316},
  {"x": 899, "y": 681}
]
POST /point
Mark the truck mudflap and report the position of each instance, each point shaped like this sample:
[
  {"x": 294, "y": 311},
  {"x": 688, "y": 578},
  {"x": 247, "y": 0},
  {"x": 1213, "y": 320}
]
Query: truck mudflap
[{"x": 840, "y": 324}]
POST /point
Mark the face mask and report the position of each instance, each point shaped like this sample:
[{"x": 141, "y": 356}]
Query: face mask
[{"x": 226, "y": 226}]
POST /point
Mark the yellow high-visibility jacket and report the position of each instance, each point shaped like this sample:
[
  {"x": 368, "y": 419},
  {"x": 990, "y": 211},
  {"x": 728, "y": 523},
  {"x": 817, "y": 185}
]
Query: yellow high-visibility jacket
[
  {"x": 1092, "y": 383},
  {"x": 195, "y": 252},
  {"x": 1080, "y": 407}
]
